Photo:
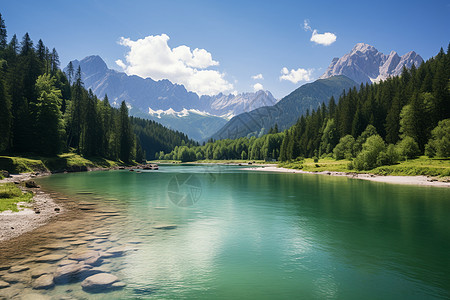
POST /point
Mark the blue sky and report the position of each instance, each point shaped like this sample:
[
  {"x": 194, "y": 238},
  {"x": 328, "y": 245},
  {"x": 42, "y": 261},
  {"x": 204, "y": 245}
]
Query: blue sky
[{"x": 243, "y": 38}]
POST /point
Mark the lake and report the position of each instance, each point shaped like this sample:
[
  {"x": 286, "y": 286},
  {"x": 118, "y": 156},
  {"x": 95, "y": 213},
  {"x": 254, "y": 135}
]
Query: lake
[{"x": 221, "y": 232}]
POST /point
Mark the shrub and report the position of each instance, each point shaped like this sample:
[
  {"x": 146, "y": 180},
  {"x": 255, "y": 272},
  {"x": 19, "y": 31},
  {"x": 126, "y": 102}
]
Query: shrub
[
  {"x": 408, "y": 148},
  {"x": 368, "y": 158},
  {"x": 368, "y": 132},
  {"x": 439, "y": 144},
  {"x": 344, "y": 149}
]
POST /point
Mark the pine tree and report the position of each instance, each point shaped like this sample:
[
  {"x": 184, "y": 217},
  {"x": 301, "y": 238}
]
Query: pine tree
[
  {"x": 3, "y": 34},
  {"x": 125, "y": 134},
  {"x": 26, "y": 45},
  {"x": 70, "y": 72},
  {"x": 54, "y": 61},
  {"x": 13, "y": 47},
  {"x": 5, "y": 118},
  {"x": 75, "y": 120},
  {"x": 41, "y": 51}
]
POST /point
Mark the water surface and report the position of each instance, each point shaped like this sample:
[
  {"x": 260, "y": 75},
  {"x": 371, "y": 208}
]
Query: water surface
[{"x": 261, "y": 235}]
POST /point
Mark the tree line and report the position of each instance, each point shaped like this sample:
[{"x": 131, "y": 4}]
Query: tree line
[
  {"x": 45, "y": 111},
  {"x": 375, "y": 124},
  {"x": 266, "y": 147}
]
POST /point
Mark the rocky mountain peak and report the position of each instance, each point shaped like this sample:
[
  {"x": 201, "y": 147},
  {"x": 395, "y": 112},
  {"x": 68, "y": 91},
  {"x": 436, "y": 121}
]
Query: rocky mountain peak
[
  {"x": 362, "y": 47},
  {"x": 364, "y": 63}
]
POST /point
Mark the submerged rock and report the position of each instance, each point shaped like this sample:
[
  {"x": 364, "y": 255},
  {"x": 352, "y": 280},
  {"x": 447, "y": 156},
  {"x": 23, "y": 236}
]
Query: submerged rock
[
  {"x": 16, "y": 269},
  {"x": 66, "y": 262},
  {"x": 71, "y": 272},
  {"x": 118, "y": 285},
  {"x": 34, "y": 296},
  {"x": 4, "y": 284},
  {"x": 42, "y": 270},
  {"x": 16, "y": 277},
  {"x": 87, "y": 256},
  {"x": 100, "y": 282},
  {"x": 165, "y": 227},
  {"x": 116, "y": 251},
  {"x": 43, "y": 282},
  {"x": 58, "y": 246},
  {"x": 77, "y": 242},
  {"x": 50, "y": 258}
]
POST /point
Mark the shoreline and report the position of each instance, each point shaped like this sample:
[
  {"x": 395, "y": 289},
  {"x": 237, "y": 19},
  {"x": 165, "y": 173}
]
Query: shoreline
[
  {"x": 41, "y": 210},
  {"x": 391, "y": 179}
]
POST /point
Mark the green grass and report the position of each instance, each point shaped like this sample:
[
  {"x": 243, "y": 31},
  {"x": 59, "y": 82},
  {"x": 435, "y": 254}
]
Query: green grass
[
  {"x": 413, "y": 167},
  {"x": 72, "y": 161},
  {"x": 62, "y": 162},
  {"x": 325, "y": 164},
  {"x": 10, "y": 195},
  {"x": 419, "y": 166},
  {"x": 15, "y": 164}
]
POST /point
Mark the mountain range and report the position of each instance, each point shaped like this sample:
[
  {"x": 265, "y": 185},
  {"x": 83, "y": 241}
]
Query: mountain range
[
  {"x": 364, "y": 64},
  {"x": 247, "y": 114},
  {"x": 198, "y": 117},
  {"x": 287, "y": 111}
]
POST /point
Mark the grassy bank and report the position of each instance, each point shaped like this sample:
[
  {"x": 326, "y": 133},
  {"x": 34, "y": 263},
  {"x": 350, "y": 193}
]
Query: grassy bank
[
  {"x": 413, "y": 167},
  {"x": 63, "y": 162},
  {"x": 10, "y": 195}
]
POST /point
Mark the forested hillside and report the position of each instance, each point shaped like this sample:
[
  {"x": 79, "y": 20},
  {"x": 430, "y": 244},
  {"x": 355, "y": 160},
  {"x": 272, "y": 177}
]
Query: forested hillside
[
  {"x": 45, "y": 111},
  {"x": 402, "y": 111},
  {"x": 286, "y": 112},
  {"x": 379, "y": 124}
]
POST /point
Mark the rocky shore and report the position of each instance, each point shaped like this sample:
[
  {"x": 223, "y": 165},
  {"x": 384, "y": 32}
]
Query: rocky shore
[
  {"x": 76, "y": 254},
  {"x": 33, "y": 215}
]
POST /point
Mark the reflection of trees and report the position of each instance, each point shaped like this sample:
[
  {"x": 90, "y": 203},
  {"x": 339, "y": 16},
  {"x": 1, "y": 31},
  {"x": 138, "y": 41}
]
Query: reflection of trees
[{"x": 373, "y": 226}]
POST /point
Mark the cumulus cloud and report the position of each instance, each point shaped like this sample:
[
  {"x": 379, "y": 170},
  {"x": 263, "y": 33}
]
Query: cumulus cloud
[
  {"x": 325, "y": 39},
  {"x": 258, "y": 87},
  {"x": 259, "y": 76},
  {"x": 295, "y": 76},
  {"x": 152, "y": 57}
]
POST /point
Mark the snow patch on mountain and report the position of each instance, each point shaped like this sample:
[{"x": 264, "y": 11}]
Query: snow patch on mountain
[{"x": 180, "y": 114}]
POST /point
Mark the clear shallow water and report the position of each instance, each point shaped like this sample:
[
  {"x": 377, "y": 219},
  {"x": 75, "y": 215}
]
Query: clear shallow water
[{"x": 265, "y": 235}]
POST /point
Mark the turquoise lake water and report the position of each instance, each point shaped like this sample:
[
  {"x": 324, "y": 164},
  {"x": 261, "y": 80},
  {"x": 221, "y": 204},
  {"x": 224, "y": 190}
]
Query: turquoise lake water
[{"x": 260, "y": 235}]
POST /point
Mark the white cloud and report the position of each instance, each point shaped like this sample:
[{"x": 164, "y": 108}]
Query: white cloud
[
  {"x": 306, "y": 26},
  {"x": 259, "y": 76},
  {"x": 325, "y": 39},
  {"x": 152, "y": 57},
  {"x": 295, "y": 76},
  {"x": 258, "y": 87}
]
